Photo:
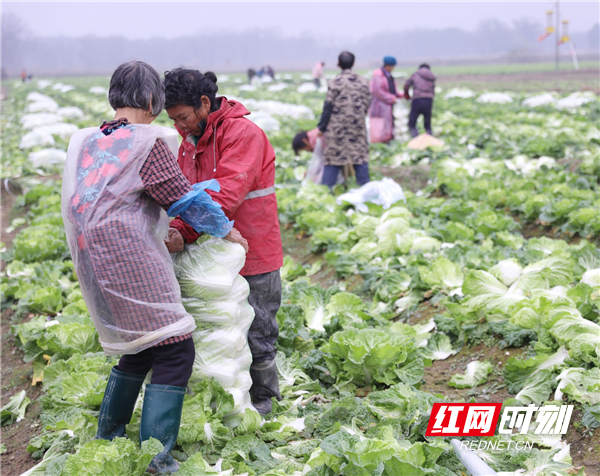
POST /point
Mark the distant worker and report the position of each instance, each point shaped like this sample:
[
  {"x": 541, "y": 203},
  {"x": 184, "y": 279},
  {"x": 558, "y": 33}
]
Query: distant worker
[
  {"x": 385, "y": 92},
  {"x": 317, "y": 73},
  {"x": 343, "y": 118},
  {"x": 269, "y": 72},
  {"x": 251, "y": 74},
  {"x": 23, "y": 75},
  {"x": 423, "y": 84},
  {"x": 305, "y": 140}
]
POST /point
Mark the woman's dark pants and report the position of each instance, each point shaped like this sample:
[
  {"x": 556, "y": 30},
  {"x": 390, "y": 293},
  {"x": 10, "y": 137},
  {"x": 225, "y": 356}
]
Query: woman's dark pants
[{"x": 171, "y": 364}]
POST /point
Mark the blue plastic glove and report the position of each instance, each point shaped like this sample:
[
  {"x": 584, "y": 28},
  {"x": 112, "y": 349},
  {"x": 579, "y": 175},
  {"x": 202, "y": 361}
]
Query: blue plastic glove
[{"x": 198, "y": 210}]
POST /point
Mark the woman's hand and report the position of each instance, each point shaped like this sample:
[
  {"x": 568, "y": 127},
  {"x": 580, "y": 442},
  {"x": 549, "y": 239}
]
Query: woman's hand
[
  {"x": 235, "y": 237},
  {"x": 175, "y": 243}
]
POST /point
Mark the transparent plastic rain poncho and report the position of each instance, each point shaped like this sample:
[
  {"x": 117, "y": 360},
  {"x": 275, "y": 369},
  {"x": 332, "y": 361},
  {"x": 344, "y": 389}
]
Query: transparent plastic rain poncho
[
  {"x": 116, "y": 236},
  {"x": 217, "y": 297}
]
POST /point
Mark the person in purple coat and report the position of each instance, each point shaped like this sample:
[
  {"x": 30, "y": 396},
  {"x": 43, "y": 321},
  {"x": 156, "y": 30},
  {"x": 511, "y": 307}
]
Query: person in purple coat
[{"x": 423, "y": 84}]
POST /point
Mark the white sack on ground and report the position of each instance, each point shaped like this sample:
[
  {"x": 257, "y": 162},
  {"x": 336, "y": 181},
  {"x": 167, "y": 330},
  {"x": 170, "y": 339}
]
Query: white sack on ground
[{"x": 384, "y": 192}]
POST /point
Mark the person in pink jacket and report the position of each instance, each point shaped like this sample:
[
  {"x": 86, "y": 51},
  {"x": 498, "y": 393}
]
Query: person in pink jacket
[{"x": 385, "y": 92}]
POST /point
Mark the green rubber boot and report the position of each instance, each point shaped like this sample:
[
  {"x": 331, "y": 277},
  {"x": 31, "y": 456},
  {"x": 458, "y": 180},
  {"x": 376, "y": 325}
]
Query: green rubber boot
[
  {"x": 161, "y": 416},
  {"x": 265, "y": 385},
  {"x": 118, "y": 403}
]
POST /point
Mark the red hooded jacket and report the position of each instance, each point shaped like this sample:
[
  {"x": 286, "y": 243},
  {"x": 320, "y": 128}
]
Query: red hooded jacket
[{"x": 237, "y": 153}]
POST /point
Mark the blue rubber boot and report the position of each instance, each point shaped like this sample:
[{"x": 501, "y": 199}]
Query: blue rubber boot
[
  {"x": 161, "y": 416},
  {"x": 118, "y": 403}
]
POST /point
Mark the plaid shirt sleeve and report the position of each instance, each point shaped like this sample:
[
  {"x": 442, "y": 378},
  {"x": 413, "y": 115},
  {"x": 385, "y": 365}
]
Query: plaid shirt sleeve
[
  {"x": 164, "y": 182},
  {"x": 162, "y": 178}
]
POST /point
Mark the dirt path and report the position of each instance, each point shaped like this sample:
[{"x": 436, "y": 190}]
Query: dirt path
[
  {"x": 15, "y": 374},
  {"x": 583, "y": 80}
]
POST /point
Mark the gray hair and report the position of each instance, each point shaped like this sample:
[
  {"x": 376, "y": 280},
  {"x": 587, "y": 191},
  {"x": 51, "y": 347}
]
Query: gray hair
[{"x": 135, "y": 84}]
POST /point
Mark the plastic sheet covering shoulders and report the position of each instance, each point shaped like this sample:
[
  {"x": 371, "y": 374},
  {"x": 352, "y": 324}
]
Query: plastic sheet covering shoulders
[{"x": 116, "y": 235}]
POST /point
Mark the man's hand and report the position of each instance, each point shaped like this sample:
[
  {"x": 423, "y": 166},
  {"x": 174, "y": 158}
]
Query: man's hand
[
  {"x": 320, "y": 134},
  {"x": 175, "y": 243},
  {"x": 235, "y": 237}
]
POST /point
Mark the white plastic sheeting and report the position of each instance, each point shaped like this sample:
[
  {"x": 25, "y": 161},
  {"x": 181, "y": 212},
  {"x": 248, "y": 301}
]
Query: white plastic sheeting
[
  {"x": 98, "y": 90},
  {"x": 575, "y": 100},
  {"x": 35, "y": 97},
  {"x": 40, "y": 103},
  {"x": 265, "y": 121},
  {"x": 134, "y": 278},
  {"x": 273, "y": 88},
  {"x": 70, "y": 113},
  {"x": 539, "y": 100},
  {"x": 384, "y": 192},
  {"x": 31, "y": 121},
  {"x": 60, "y": 129},
  {"x": 46, "y": 157},
  {"x": 36, "y": 138},
  {"x": 277, "y": 108},
  {"x": 63, "y": 88},
  {"x": 307, "y": 88},
  {"x": 217, "y": 298},
  {"x": 462, "y": 93},
  {"x": 496, "y": 98}
]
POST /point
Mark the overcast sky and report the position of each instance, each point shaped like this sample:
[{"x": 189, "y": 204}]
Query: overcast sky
[{"x": 332, "y": 20}]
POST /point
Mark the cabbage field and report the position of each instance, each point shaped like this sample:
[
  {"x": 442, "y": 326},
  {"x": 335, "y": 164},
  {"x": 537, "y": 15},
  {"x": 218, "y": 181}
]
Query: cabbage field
[{"x": 483, "y": 285}]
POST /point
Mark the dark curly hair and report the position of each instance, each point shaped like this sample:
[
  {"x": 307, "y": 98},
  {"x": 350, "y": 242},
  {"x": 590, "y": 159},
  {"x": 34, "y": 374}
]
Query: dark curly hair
[
  {"x": 298, "y": 141},
  {"x": 187, "y": 86}
]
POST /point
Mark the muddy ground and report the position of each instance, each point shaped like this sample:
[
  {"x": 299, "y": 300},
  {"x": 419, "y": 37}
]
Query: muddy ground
[{"x": 15, "y": 374}]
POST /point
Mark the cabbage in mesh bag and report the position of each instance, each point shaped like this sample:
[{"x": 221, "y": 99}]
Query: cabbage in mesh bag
[{"x": 217, "y": 298}]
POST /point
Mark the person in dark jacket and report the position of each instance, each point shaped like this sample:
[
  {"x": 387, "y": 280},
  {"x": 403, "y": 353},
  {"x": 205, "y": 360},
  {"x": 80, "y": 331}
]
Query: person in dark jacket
[{"x": 423, "y": 85}]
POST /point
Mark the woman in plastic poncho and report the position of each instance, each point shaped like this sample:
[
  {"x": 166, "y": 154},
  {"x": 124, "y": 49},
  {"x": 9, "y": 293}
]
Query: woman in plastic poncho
[
  {"x": 118, "y": 179},
  {"x": 220, "y": 142}
]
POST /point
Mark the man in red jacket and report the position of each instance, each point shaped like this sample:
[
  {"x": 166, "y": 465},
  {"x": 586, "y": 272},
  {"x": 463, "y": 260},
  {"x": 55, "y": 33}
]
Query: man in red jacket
[{"x": 220, "y": 143}]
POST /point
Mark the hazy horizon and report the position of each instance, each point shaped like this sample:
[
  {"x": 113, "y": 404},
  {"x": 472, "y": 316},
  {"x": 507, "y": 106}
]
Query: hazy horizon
[{"x": 336, "y": 22}]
